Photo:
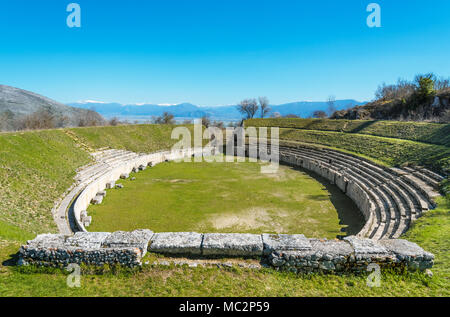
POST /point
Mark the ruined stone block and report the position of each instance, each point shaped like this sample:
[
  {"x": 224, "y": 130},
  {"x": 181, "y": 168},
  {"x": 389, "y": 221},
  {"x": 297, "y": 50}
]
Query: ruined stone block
[
  {"x": 232, "y": 244},
  {"x": 87, "y": 240},
  {"x": 285, "y": 242},
  {"x": 110, "y": 185},
  {"x": 124, "y": 239},
  {"x": 97, "y": 200},
  {"x": 176, "y": 243}
]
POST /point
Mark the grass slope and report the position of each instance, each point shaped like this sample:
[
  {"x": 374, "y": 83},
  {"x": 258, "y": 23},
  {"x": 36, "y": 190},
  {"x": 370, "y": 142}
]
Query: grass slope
[
  {"x": 415, "y": 131},
  {"x": 226, "y": 197},
  {"x": 36, "y": 168},
  {"x": 137, "y": 138}
]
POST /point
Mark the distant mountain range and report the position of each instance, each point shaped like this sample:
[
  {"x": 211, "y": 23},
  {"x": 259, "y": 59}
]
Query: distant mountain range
[
  {"x": 189, "y": 111},
  {"x": 20, "y": 102}
]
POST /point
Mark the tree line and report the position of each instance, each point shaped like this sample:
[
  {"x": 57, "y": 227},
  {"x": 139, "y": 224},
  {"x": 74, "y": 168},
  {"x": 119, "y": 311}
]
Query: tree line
[{"x": 48, "y": 117}]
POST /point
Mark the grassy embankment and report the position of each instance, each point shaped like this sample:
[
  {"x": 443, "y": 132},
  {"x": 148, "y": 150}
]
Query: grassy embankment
[
  {"x": 49, "y": 158},
  {"x": 37, "y": 167},
  {"x": 414, "y": 131}
]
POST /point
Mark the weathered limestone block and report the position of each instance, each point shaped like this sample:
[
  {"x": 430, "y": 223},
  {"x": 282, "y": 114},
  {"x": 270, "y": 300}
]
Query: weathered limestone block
[
  {"x": 110, "y": 185},
  {"x": 331, "y": 248},
  {"x": 86, "y": 221},
  {"x": 330, "y": 176},
  {"x": 366, "y": 246},
  {"x": 285, "y": 242},
  {"x": 101, "y": 193},
  {"x": 62, "y": 256},
  {"x": 176, "y": 243},
  {"x": 341, "y": 182},
  {"x": 124, "y": 176},
  {"x": 323, "y": 255},
  {"x": 410, "y": 253},
  {"x": 124, "y": 239},
  {"x": 232, "y": 244},
  {"x": 367, "y": 207},
  {"x": 142, "y": 167},
  {"x": 97, "y": 200},
  {"x": 87, "y": 240},
  {"x": 119, "y": 186},
  {"x": 83, "y": 214},
  {"x": 306, "y": 163},
  {"x": 47, "y": 240},
  {"x": 357, "y": 194},
  {"x": 369, "y": 251}
]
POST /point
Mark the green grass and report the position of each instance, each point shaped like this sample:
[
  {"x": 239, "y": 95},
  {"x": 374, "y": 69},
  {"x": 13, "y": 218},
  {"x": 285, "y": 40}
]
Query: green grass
[
  {"x": 145, "y": 138},
  {"x": 430, "y": 231},
  {"x": 415, "y": 131},
  {"x": 37, "y": 167},
  {"x": 226, "y": 197}
]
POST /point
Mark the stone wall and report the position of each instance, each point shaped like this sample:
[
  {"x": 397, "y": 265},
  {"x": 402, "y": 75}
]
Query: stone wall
[
  {"x": 283, "y": 252},
  {"x": 362, "y": 181},
  {"x": 91, "y": 248},
  {"x": 353, "y": 254}
]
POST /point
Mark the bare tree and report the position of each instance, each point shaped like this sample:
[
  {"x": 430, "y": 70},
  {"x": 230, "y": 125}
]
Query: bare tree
[
  {"x": 264, "y": 106},
  {"x": 166, "y": 118},
  {"x": 248, "y": 107},
  {"x": 442, "y": 83},
  {"x": 89, "y": 118},
  {"x": 319, "y": 114},
  {"x": 114, "y": 121},
  {"x": 47, "y": 117},
  {"x": 219, "y": 124},
  {"x": 331, "y": 102},
  {"x": 206, "y": 122}
]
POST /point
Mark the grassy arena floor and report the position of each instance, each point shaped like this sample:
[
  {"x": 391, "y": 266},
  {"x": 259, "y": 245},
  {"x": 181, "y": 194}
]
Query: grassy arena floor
[{"x": 226, "y": 197}]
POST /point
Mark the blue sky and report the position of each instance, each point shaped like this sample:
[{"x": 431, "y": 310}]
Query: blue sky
[{"x": 219, "y": 51}]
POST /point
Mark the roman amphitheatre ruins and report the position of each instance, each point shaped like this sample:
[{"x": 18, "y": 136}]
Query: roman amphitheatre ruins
[{"x": 388, "y": 196}]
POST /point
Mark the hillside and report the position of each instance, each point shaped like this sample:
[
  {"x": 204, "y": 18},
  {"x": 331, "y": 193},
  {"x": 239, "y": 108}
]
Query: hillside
[
  {"x": 16, "y": 103},
  {"x": 433, "y": 108},
  {"x": 415, "y": 131}
]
